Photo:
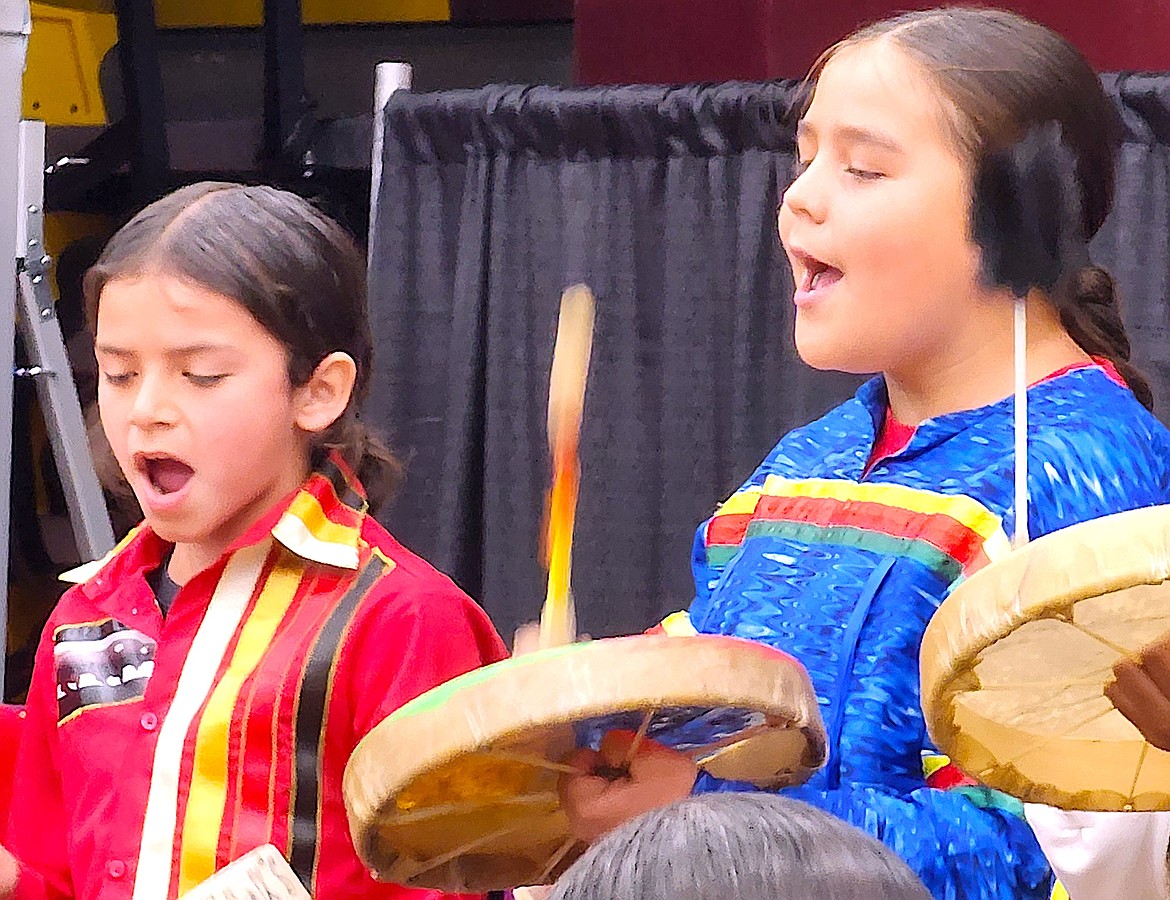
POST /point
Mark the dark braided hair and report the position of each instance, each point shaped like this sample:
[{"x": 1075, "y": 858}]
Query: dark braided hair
[{"x": 1090, "y": 313}]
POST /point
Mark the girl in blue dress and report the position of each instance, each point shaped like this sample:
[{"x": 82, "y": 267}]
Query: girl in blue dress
[{"x": 841, "y": 545}]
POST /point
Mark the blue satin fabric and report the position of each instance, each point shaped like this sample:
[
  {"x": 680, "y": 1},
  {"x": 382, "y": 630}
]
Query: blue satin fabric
[{"x": 855, "y": 617}]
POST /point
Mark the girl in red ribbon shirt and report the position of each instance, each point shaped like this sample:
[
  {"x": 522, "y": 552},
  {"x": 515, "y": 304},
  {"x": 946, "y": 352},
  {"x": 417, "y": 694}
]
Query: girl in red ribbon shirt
[{"x": 199, "y": 694}]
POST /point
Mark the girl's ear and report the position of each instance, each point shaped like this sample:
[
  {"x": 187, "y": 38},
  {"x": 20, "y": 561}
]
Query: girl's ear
[{"x": 321, "y": 400}]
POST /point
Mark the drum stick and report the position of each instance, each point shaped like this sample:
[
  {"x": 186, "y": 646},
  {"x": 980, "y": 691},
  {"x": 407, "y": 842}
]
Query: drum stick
[{"x": 566, "y": 404}]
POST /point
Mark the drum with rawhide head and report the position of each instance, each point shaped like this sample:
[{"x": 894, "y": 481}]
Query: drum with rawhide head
[{"x": 1015, "y": 663}]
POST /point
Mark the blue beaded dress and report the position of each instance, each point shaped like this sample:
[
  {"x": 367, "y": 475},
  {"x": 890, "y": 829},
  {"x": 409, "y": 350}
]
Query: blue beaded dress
[{"x": 843, "y": 567}]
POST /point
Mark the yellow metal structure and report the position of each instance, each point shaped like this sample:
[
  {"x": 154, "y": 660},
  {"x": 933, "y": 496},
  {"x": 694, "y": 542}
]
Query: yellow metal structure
[
  {"x": 65, "y": 53},
  {"x": 249, "y": 13},
  {"x": 63, "y": 228},
  {"x": 102, "y": 6}
]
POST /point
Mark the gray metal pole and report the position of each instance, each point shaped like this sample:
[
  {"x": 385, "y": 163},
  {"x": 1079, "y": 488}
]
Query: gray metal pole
[
  {"x": 40, "y": 333},
  {"x": 15, "y": 25},
  {"x": 388, "y": 78}
]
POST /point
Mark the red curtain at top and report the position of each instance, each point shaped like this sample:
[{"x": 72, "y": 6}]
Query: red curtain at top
[{"x": 676, "y": 41}]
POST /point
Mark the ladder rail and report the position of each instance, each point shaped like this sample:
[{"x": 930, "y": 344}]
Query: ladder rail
[{"x": 40, "y": 331}]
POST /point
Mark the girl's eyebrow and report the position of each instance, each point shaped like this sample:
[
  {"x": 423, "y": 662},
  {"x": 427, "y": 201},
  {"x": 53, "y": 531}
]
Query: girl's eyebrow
[
  {"x": 111, "y": 350},
  {"x": 184, "y": 351},
  {"x": 197, "y": 349},
  {"x": 853, "y": 134}
]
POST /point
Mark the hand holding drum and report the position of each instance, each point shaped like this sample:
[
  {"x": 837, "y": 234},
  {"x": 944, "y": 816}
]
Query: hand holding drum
[{"x": 1141, "y": 692}]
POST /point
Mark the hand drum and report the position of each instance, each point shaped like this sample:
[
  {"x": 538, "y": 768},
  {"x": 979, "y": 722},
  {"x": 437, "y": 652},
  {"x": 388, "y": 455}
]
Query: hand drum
[
  {"x": 457, "y": 790},
  {"x": 1016, "y": 659}
]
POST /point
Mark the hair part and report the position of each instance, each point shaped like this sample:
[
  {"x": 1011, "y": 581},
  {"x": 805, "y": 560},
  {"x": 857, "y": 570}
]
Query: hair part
[
  {"x": 295, "y": 270},
  {"x": 738, "y": 846},
  {"x": 999, "y": 75}
]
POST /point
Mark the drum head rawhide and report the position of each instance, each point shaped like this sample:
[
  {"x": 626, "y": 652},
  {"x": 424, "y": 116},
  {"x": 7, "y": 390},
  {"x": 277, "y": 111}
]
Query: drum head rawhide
[
  {"x": 457, "y": 790},
  {"x": 1015, "y": 662}
]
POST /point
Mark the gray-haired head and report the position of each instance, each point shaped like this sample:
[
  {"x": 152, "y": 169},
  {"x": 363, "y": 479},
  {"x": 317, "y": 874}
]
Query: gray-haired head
[{"x": 738, "y": 847}]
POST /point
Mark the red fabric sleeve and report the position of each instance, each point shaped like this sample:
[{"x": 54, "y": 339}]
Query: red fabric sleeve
[
  {"x": 425, "y": 632},
  {"x": 37, "y": 823}
]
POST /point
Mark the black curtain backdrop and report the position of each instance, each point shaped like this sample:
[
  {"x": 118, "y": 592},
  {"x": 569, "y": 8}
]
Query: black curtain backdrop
[{"x": 664, "y": 201}]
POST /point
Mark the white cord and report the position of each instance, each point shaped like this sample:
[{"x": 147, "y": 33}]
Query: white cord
[{"x": 1021, "y": 422}]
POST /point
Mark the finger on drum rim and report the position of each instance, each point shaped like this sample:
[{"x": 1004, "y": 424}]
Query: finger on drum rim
[
  {"x": 1156, "y": 664},
  {"x": 1139, "y": 700},
  {"x": 526, "y": 639}
]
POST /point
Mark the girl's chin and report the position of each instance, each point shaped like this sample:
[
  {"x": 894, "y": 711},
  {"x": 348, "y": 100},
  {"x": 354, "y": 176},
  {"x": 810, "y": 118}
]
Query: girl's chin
[{"x": 833, "y": 356}]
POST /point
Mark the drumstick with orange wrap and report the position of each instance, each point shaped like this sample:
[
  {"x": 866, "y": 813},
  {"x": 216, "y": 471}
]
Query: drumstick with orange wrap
[{"x": 566, "y": 406}]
